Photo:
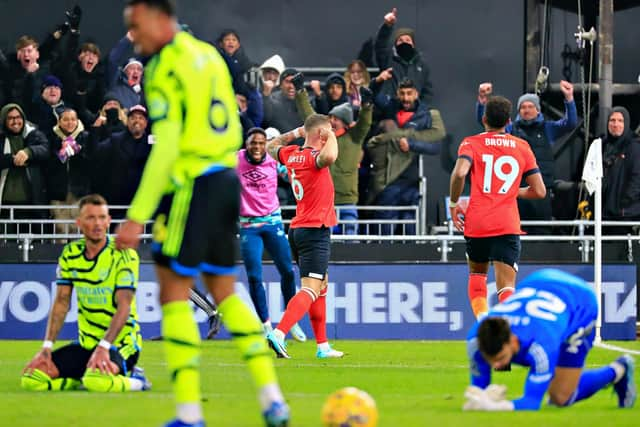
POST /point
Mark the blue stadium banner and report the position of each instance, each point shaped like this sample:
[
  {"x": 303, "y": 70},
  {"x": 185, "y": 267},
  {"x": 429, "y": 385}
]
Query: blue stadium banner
[{"x": 372, "y": 301}]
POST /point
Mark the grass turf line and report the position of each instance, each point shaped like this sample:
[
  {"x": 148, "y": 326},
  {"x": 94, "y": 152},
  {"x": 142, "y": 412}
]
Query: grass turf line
[{"x": 414, "y": 384}]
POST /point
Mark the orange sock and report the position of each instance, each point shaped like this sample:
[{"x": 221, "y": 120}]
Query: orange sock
[
  {"x": 318, "y": 317},
  {"x": 297, "y": 307},
  {"x": 477, "y": 289},
  {"x": 505, "y": 293}
]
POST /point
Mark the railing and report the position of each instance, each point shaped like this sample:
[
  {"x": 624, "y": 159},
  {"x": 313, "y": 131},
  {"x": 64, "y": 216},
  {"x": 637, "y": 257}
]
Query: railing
[{"x": 366, "y": 227}]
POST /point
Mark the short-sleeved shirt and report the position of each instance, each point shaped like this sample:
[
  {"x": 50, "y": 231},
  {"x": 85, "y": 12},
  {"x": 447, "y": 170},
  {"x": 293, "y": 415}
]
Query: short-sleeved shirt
[
  {"x": 312, "y": 187},
  {"x": 96, "y": 282},
  {"x": 498, "y": 163},
  {"x": 194, "y": 116}
]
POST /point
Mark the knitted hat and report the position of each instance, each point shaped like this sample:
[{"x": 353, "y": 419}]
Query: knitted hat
[
  {"x": 131, "y": 62},
  {"x": 51, "y": 80},
  {"x": 344, "y": 112},
  {"x": 288, "y": 72},
  {"x": 110, "y": 96},
  {"x": 404, "y": 32},
  {"x": 529, "y": 97}
]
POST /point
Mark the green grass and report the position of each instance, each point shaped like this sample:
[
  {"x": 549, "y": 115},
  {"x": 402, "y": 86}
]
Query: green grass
[{"x": 414, "y": 384}]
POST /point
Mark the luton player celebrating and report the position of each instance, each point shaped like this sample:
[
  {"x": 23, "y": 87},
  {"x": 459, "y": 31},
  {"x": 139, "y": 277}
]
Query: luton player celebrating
[
  {"x": 491, "y": 223},
  {"x": 310, "y": 231}
]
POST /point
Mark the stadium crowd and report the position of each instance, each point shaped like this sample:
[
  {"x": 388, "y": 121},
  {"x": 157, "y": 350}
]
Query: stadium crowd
[{"x": 74, "y": 122}]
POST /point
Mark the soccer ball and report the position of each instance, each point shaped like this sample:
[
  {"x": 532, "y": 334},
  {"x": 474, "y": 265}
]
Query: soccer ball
[{"x": 349, "y": 407}]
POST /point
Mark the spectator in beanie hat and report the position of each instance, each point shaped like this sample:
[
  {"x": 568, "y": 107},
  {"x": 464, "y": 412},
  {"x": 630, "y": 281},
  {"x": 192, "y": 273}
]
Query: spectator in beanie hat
[{"x": 397, "y": 50}]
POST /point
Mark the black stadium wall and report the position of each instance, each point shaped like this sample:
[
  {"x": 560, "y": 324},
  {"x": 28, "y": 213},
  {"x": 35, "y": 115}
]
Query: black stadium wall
[{"x": 464, "y": 41}]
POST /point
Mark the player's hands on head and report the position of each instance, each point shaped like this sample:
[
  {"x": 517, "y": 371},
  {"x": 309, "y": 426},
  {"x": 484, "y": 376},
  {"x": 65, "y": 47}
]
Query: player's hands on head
[
  {"x": 324, "y": 134},
  {"x": 100, "y": 361}
]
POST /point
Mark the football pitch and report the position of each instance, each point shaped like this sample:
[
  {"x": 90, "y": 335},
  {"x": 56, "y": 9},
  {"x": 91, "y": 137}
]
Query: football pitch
[{"x": 413, "y": 383}]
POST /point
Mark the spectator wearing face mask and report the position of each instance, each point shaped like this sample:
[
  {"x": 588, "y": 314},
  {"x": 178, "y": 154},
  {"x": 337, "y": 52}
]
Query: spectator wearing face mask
[
  {"x": 111, "y": 118},
  {"x": 397, "y": 50}
]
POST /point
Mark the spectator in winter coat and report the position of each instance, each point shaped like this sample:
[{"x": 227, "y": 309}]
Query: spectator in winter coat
[
  {"x": 123, "y": 156},
  {"x": 409, "y": 129},
  {"x": 280, "y": 109},
  {"x": 69, "y": 170},
  {"x": 397, "y": 50},
  {"x": 270, "y": 72},
  {"x": 24, "y": 150},
  {"x": 45, "y": 111},
  {"x": 350, "y": 137},
  {"x": 83, "y": 79},
  {"x": 621, "y": 164},
  {"x": 335, "y": 93},
  {"x": 541, "y": 134}
]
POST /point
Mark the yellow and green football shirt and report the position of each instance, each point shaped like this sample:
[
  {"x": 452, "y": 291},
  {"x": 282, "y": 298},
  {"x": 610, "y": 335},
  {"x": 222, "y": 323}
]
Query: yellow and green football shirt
[
  {"x": 96, "y": 282},
  {"x": 195, "y": 121}
]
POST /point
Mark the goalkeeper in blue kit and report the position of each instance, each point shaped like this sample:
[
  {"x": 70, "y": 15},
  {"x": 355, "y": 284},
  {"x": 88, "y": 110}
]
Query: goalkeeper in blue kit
[{"x": 549, "y": 326}]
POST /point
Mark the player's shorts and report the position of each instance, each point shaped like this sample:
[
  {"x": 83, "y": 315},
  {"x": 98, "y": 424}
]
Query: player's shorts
[
  {"x": 504, "y": 249},
  {"x": 71, "y": 360},
  {"x": 311, "y": 248},
  {"x": 195, "y": 227}
]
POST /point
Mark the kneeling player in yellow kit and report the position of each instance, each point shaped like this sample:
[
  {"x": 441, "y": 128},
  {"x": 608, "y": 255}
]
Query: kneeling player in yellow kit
[{"x": 109, "y": 341}]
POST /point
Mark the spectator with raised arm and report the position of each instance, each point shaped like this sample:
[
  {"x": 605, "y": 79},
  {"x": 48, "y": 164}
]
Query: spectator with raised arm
[
  {"x": 24, "y": 150},
  {"x": 270, "y": 72},
  {"x": 26, "y": 70},
  {"x": 408, "y": 129},
  {"x": 350, "y": 137},
  {"x": 397, "y": 50},
  {"x": 541, "y": 134},
  {"x": 280, "y": 109},
  {"x": 335, "y": 93},
  {"x": 82, "y": 74},
  {"x": 123, "y": 155},
  {"x": 111, "y": 118}
]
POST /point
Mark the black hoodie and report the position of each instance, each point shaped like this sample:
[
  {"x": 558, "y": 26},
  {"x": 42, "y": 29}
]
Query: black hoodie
[{"x": 621, "y": 164}]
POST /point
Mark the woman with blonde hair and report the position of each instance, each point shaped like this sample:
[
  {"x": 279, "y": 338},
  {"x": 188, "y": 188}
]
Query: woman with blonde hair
[{"x": 356, "y": 76}]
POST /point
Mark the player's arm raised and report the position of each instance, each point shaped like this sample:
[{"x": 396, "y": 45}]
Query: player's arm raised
[{"x": 329, "y": 153}]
